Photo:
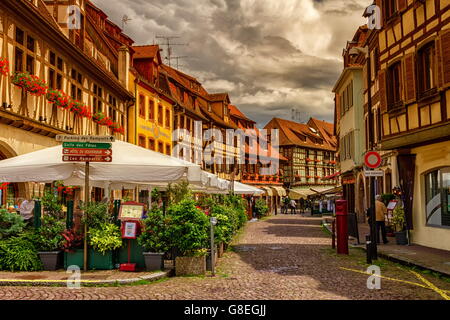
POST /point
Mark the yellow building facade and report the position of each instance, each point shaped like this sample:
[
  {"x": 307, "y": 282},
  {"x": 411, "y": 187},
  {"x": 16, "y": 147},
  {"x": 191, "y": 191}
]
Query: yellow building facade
[{"x": 150, "y": 120}]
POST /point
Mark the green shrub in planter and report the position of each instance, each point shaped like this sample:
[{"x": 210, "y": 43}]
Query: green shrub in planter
[
  {"x": 188, "y": 228},
  {"x": 154, "y": 236},
  {"x": 19, "y": 254},
  {"x": 261, "y": 208},
  {"x": 226, "y": 223},
  {"x": 51, "y": 205},
  {"x": 105, "y": 238},
  {"x": 49, "y": 236},
  {"x": 11, "y": 224},
  {"x": 96, "y": 214}
]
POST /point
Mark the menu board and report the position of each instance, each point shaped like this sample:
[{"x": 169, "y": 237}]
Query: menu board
[
  {"x": 130, "y": 230},
  {"x": 392, "y": 204},
  {"x": 131, "y": 211}
]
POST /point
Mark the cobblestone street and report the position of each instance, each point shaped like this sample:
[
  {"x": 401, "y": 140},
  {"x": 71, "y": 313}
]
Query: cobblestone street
[{"x": 284, "y": 257}]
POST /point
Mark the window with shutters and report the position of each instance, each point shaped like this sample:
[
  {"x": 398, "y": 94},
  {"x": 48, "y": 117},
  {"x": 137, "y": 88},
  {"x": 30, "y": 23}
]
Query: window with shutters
[
  {"x": 167, "y": 118},
  {"x": 151, "y": 110},
  {"x": 390, "y": 8},
  {"x": 394, "y": 86},
  {"x": 426, "y": 70},
  {"x": 160, "y": 115},
  {"x": 142, "y": 106}
]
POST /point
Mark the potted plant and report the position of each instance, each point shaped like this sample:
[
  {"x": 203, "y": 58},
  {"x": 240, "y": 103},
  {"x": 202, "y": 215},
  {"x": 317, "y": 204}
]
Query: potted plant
[
  {"x": 49, "y": 242},
  {"x": 261, "y": 208},
  {"x": 11, "y": 224},
  {"x": 104, "y": 240},
  {"x": 4, "y": 66},
  {"x": 189, "y": 233},
  {"x": 398, "y": 221},
  {"x": 72, "y": 246},
  {"x": 30, "y": 83},
  {"x": 154, "y": 239}
]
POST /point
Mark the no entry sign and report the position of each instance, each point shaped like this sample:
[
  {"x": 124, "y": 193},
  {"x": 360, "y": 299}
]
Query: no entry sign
[{"x": 372, "y": 160}]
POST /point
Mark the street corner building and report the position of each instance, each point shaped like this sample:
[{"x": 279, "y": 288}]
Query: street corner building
[
  {"x": 402, "y": 111},
  {"x": 57, "y": 79}
]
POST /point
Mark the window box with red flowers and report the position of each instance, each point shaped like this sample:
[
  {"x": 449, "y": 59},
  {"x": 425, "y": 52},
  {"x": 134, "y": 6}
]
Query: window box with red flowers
[
  {"x": 101, "y": 119},
  {"x": 309, "y": 160},
  {"x": 58, "y": 98},
  {"x": 116, "y": 128},
  {"x": 4, "y": 66},
  {"x": 30, "y": 83}
]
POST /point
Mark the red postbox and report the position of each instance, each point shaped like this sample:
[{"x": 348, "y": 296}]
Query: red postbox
[{"x": 342, "y": 226}]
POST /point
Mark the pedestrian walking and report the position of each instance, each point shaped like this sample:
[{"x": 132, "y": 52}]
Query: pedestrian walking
[
  {"x": 293, "y": 206},
  {"x": 285, "y": 206},
  {"x": 381, "y": 212},
  {"x": 302, "y": 206}
]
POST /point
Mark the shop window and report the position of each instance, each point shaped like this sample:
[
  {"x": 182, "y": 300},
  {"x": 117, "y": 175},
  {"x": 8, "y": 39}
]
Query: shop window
[
  {"x": 168, "y": 150},
  {"x": 160, "y": 147},
  {"x": 437, "y": 197}
]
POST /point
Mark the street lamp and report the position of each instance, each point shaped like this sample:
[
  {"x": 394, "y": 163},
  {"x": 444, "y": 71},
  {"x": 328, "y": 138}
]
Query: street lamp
[{"x": 213, "y": 221}]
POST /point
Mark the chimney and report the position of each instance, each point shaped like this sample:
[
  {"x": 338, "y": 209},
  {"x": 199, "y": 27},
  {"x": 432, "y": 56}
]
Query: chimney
[{"x": 124, "y": 66}]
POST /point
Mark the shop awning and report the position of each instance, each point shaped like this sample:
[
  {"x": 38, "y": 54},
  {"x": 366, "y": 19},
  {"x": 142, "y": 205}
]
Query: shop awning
[
  {"x": 297, "y": 194},
  {"x": 268, "y": 191},
  {"x": 337, "y": 174},
  {"x": 280, "y": 191}
]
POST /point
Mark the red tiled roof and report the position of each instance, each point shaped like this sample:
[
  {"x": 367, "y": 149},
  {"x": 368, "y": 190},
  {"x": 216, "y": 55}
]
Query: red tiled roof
[
  {"x": 145, "y": 52},
  {"x": 218, "y": 97},
  {"x": 294, "y": 133},
  {"x": 234, "y": 111}
]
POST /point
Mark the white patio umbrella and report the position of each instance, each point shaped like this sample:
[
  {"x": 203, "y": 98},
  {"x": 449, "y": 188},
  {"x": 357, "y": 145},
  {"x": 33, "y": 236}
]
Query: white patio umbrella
[
  {"x": 240, "y": 188},
  {"x": 130, "y": 163}
]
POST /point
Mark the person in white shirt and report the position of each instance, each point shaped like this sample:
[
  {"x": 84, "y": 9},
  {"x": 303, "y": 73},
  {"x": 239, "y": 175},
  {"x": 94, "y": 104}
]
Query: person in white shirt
[
  {"x": 293, "y": 206},
  {"x": 26, "y": 210}
]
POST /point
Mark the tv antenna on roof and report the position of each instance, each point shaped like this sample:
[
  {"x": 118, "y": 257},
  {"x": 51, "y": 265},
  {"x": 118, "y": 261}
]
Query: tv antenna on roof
[
  {"x": 169, "y": 45},
  {"x": 125, "y": 20},
  {"x": 177, "y": 59}
]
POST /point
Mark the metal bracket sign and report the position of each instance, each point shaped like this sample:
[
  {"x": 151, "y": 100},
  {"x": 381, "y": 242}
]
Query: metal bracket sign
[
  {"x": 72, "y": 138},
  {"x": 374, "y": 173}
]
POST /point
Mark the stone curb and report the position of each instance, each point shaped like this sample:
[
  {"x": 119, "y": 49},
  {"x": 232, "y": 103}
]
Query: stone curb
[
  {"x": 63, "y": 283},
  {"x": 394, "y": 258}
]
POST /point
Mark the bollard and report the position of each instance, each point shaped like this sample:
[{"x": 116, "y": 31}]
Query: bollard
[
  {"x": 368, "y": 249},
  {"x": 342, "y": 226},
  {"x": 333, "y": 235}
]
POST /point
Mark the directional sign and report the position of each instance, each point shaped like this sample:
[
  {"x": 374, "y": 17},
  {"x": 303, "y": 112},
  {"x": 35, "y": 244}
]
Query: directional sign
[
  {"x": 372, "y": 160},
  {"x": 374, "y": 173},
  {"x": 87, "y": 145},
  {"x": 87, "y": 152},
  {"x": 81, "y": 158},
  {"x": 62, "y": 138}
]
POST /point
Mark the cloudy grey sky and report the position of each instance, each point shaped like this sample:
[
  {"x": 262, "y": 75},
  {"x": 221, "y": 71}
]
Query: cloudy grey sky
[{"x": 272, "y": 56}]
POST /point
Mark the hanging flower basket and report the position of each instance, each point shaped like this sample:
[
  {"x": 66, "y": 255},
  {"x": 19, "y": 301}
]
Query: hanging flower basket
[
  {"x": 4, "y": 66},
  {"x": 4, "y": 186},
  {"x": 30, "y": 83},
  {"x": 58, "y": 98}
]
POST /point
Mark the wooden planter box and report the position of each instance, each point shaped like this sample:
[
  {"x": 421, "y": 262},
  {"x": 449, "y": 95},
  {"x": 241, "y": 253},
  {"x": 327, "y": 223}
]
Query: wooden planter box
[
  {"x": 190, "y": 266},
  {"x": 96, "y": 260}
]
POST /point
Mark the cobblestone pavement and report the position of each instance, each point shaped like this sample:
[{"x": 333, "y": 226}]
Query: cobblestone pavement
[{"x": 281, "y": 258}]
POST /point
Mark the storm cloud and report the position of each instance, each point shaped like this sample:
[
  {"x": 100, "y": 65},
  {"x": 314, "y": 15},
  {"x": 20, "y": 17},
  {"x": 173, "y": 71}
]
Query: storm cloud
[{"x": 272, "y": 56}]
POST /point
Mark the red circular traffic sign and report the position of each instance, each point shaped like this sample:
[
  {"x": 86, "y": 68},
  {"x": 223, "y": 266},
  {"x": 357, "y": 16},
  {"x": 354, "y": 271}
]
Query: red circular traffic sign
[{"x": 372, "y": 160}]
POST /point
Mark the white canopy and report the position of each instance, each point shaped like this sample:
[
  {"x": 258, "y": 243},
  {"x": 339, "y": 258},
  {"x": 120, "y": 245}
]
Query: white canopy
[
  {"x": 130, "y": 163},
  {"x": 240, "y": 188}
]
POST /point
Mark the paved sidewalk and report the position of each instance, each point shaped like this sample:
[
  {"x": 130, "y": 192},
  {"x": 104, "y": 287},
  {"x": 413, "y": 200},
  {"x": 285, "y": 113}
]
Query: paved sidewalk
[
  {"x": 413, "y": 255},
  {"x": 420, "y": 256},
  {"x": 60, "y": 277}
]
